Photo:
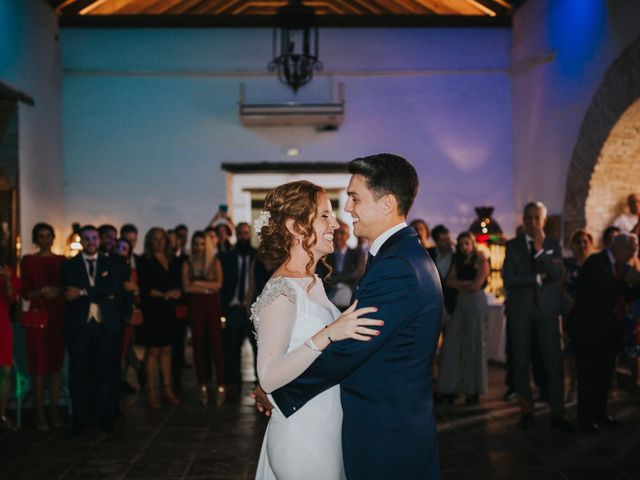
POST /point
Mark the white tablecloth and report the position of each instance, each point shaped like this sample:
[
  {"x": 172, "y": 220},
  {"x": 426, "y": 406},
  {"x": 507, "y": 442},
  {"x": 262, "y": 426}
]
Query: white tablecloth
[{"x": 496, "y": 333}]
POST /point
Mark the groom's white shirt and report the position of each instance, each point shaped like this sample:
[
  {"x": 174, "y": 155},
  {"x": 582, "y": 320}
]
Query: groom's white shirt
[{"x": 383, "y": 237}]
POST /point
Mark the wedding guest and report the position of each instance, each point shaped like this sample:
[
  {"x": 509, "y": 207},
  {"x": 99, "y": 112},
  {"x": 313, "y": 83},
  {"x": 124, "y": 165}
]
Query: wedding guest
[
  {"x": 178, "y": 361},
  {"x": 41, "y": 287},
  {"x": 627, "y": 221},
  {"x": 582, "y": 247},
  {"x": 608, "y": 235},
  {"x": 108, "y": 236},
  {"x": 201, "y": 281},
  {"x": 172, "y": 240},
  {"x": 238, "y": 265},
  {"x": 130, "y": 232},
  {"x": 93, "y": 287},
  {"x": 532, "y": 274},
  {"x": 347, "y": 266},
  {"x": 600, "y": 307},
  {"x": 224, "y": 228},
  {"x": 423, "y": 232},
  {"x": 442, "y": 255},
  {"x": 463, "y": 366},
  {"x": 159, "y": 277},
  {"x": 9, "y": 288},
  {"x": 124, "y": 250}
]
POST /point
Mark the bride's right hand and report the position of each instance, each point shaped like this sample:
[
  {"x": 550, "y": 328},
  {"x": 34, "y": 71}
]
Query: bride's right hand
[{"x": 350, "y": 325}]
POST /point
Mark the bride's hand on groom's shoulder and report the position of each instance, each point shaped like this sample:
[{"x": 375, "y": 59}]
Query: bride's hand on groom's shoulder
[{"x": 352, "y": 324}]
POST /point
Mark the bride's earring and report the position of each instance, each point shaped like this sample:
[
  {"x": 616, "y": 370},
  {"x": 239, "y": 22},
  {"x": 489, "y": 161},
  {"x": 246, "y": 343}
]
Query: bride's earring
[{"x": 298, "y": 241}]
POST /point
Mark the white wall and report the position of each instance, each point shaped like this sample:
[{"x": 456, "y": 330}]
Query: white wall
[
  {"x": 30, "y": 62},
  {"x": 550, "y": 99},
  {"x": 150, "y": 114}
]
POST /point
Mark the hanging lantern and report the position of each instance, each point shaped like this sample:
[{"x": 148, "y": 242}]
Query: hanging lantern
[
  {"x": 295, "y": 45},
  {"x": 490, "y": 240}
]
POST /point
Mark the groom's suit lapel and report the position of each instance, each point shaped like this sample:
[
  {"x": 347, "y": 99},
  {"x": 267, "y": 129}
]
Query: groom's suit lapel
[{"x": 391, "y": 241}]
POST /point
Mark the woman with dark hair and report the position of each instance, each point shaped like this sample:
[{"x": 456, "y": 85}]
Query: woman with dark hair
[
  {"x": 294, "y": 322},
  {"x": 424, "y": 234},
  {"x": 9, "y": 287},
  {"x": 41, "y": 280},
  {"x": 582, "y": 247},
  {"x": 463, "y": 364},
  {"x": 201, "y": 281},
  {"x": 159, "y": 277},
  {"x": 133, "y": 316}
]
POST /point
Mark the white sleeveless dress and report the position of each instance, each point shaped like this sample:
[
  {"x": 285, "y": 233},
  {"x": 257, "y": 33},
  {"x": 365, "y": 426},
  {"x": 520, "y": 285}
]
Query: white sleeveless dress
[{"x": 307, "y": 445}]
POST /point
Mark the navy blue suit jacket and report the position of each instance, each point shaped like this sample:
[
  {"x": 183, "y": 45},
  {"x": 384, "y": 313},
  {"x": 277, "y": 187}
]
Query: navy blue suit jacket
[
  {"x": 388, "y": 428},
  {"x": 107, "y": 292}
]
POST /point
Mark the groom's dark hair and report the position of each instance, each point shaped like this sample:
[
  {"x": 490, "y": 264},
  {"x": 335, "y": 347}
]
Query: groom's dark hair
[{"x": 388, "y": 174}]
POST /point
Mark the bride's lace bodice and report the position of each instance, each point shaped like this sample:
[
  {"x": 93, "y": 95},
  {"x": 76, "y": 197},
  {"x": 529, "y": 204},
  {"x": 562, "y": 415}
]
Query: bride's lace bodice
[{"x": 285, "y": 316}]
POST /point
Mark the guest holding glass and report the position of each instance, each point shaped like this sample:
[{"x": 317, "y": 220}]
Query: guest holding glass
[
  {"x": 201, "y": 281},
  {"x": 41, "y": 288},
  {"x": 582, "y": 247},
  {"x": 9, "y": 287},
  {"x": 159, "y": 278},
  {"x": 463, "y": 367}
]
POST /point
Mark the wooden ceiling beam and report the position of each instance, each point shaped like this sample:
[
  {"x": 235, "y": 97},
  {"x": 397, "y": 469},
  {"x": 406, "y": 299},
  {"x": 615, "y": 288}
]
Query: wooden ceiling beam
[
  {"x": 181, "y": 7},
  {"x": 74, "y": 8}
]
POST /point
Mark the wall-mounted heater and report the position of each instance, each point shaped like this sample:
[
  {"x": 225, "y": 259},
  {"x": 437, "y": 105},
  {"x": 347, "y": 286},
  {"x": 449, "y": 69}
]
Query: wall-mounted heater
[{"x": 323, "y": 116}]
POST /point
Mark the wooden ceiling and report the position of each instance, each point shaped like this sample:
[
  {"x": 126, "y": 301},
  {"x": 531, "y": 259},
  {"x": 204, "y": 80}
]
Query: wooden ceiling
[{"x": 258, "y": 12}]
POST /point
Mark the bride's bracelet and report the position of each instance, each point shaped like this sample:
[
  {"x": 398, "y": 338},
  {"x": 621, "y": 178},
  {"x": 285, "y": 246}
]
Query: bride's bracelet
[{"x": 309, "y": 344}]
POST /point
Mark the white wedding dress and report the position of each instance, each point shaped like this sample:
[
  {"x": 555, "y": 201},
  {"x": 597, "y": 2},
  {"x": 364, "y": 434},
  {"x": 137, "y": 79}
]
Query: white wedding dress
[{"x": 307, "y": 445}]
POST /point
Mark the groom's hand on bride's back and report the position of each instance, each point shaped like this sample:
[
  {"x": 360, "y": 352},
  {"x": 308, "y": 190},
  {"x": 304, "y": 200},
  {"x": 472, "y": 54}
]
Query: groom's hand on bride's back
[{"x": 262, "y": 401}]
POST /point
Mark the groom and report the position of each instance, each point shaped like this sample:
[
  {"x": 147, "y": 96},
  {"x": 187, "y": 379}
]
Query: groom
[{"x": 388, "y": 428}]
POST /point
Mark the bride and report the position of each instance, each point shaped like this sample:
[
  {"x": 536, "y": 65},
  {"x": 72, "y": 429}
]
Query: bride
[{"x": 294, "y": 323}]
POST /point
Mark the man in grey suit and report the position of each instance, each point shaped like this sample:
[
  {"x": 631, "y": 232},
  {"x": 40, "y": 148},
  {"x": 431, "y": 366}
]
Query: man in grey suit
[{"x": 532, "y": 274}]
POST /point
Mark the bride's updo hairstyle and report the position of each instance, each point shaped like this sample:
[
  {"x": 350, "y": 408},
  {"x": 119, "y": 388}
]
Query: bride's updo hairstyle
[{"x": 297, "y": 201}]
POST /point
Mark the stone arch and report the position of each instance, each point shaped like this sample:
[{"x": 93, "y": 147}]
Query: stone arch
[{"x": 608, "y": 120}]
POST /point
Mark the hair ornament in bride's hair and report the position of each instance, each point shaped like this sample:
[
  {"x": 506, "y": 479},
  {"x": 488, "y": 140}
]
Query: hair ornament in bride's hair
[{"x": 261, "y": 221}]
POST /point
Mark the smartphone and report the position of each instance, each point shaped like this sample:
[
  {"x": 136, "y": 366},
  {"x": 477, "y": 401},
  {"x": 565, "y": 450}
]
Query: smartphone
[{"x": 223, "y": 207}]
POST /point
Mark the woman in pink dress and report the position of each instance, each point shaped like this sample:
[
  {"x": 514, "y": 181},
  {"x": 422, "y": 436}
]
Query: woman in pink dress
[
  {"x": 40, "y": 274},
  {"x": 9, "y": 287}
]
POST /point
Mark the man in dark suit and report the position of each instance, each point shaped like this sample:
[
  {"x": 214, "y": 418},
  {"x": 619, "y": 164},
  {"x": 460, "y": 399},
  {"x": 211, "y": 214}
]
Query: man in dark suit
[
  {"x": 238, "y": 268},
  {"x": 442, "y": 256},
  {"x": 388, "y": 428},
  {"x": 532, "y": 274},
  {"x": 93, "y": 286},
  {"x": 347, "y": 266},
  {"x": 599, "y": 313}
]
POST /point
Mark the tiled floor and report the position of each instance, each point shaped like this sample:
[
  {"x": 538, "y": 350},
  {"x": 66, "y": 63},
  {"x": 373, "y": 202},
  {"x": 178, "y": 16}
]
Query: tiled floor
[{"x": 191, "y": 442}]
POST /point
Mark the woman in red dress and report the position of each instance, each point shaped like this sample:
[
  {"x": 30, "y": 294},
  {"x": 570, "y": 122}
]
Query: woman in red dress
[
  {"x": 9, "y": 287},
  {"x": 40, "y": 274}
]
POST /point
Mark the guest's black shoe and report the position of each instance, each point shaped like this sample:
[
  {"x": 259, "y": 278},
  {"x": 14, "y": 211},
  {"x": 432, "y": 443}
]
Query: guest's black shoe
[
  {"x": 127, "y": 388},
  {"x": 108, "y": 426},
  {"x": 589, "y": 427},
  {"x": 543, "y": 398},
  {"x": 526, "y": 421},
  {"x": 472, "y": 400},
  {"x": 509, "y": 395},
  {"x": 610, "y": 421},
  {"x": 561, "y": 424},
  {"x": 142, "y": 375},
  {"x": 77, "y": 430}
]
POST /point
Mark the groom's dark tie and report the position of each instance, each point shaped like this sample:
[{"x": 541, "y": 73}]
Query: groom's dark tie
[{"x": 369, "y": 262}]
